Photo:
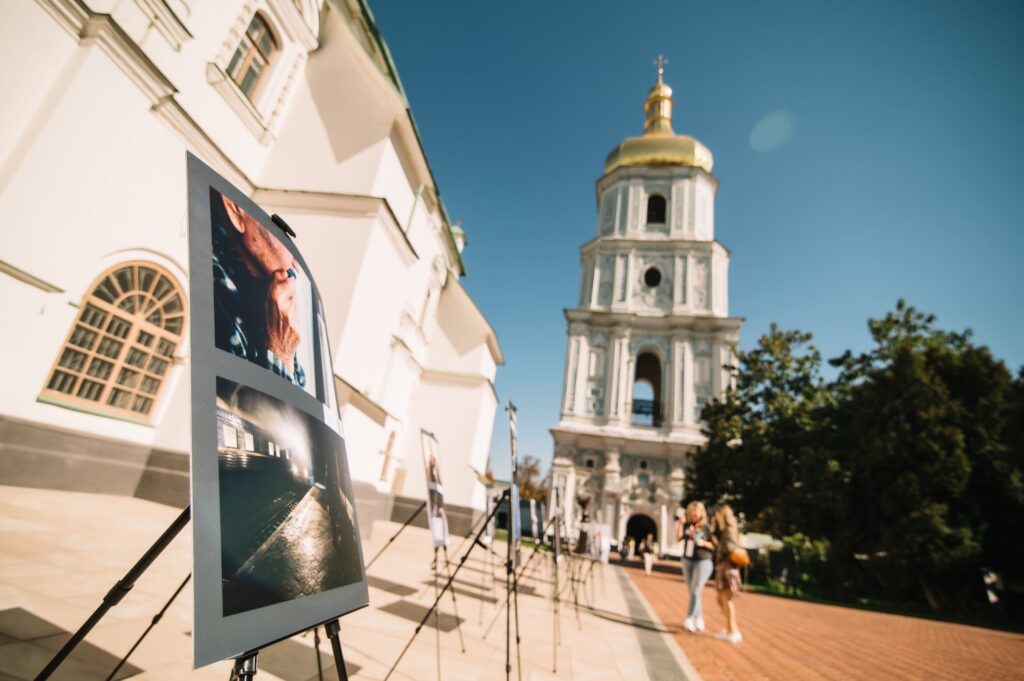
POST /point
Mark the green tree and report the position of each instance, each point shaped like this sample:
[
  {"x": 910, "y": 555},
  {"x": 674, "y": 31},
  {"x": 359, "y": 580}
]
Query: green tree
[
  {"x": 761, "y": 435},
  {"x": 919, "y": 432},
  {"x": 904, "y": 473}
]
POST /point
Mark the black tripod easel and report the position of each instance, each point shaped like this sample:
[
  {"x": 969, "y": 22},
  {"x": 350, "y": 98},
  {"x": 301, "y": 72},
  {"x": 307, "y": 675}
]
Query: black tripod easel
[
  {"x": 118, "y": 592},
  {"x": 555, "y": 593},
  {"x": 522, "y": 571},
  {"x": 419, "y": 509},
  {"x": 451, "y": 578},
  {"x": 245, "y": 665}
]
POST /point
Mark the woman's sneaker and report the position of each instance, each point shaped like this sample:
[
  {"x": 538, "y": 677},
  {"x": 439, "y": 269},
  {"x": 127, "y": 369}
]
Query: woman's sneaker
[
  {"x": 733, "y": 637},
  {"x": 699, "y": 623},
  {"x": 688, "y": 625}
]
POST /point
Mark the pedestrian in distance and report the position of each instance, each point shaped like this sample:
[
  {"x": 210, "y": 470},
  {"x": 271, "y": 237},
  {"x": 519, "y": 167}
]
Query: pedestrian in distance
[
  {"x": 693, "y": 529},
  {"x": 726, "y": 538},
  {"x": 648, "y": 548}
]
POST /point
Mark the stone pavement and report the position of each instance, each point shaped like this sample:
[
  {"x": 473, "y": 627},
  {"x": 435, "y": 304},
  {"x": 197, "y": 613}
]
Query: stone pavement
[
  {"x": 789, "y": 639},
  {"x": 295, "y": 560},
  {"x": 61, "y": 551}
]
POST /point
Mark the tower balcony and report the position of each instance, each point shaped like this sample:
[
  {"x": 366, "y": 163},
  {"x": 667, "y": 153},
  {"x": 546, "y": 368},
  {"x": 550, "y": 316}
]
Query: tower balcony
[{"x": 647, "y": 413}]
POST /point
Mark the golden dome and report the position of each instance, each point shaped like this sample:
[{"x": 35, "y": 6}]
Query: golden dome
[{"x": 659, "y": 145}]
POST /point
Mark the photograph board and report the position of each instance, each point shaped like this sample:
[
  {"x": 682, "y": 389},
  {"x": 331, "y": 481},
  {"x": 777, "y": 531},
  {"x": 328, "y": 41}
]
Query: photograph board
[
  {"x": 515, "y": 517},
  {"x": 437, "y": 516},
  {"x": 275, "y": 535}
]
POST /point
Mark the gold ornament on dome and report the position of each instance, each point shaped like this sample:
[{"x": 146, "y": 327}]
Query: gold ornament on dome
[{"x": 659, "y": 145}]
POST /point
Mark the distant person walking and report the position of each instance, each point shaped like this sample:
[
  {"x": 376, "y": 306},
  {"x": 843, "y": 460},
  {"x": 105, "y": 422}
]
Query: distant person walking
[
  {"x": 694, "y": 531},
  {"x": 726, "y": 536},
  {"x": 649, "y": 547}
]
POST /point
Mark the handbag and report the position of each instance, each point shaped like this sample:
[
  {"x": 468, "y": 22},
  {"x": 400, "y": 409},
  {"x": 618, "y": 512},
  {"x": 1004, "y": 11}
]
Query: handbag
[{"x": 739, "y": 557}]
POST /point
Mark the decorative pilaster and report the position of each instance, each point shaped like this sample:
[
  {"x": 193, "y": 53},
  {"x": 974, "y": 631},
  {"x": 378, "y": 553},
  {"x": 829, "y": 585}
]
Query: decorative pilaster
[{"x": 612, "y": 472}]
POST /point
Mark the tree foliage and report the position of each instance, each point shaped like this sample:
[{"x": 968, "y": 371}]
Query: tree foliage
[
  {"x": 531, "y": 485},
  {"x": 908, "y": 465}
]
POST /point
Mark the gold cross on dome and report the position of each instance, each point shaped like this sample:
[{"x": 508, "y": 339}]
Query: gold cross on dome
[{"x": 660, "y": 63}]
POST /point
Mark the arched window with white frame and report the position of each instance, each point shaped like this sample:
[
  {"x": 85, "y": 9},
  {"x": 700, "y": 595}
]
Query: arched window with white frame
[
  {"x": 251, "y": 61},
  {"x": 121, "y": 346}
]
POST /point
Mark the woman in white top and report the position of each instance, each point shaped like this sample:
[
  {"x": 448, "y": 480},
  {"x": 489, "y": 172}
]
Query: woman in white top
[{"x": 698, "y": 551}]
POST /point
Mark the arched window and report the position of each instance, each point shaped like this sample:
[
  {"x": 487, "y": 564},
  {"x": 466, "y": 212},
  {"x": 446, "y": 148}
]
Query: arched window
[
  {"x": 121, "y": 346},
  {"x": 252, "y": 59},
  {"x": 656, "y": 209}
]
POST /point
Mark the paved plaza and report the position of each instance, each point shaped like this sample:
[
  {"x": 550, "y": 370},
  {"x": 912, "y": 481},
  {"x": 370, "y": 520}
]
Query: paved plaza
[
  {"x": 61, "y": 551},
  {"x": 789, "y": 639}
]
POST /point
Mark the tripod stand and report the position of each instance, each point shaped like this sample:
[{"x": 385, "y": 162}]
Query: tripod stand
[{"x": 451, "y": 578}]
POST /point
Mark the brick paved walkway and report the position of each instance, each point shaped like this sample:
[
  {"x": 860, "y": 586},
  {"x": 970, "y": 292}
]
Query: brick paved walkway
[{"x": 787, "y": 639}]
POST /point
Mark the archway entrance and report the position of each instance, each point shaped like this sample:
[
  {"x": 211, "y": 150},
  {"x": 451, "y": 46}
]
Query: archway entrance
[
  {"x": 639, "y": 526},
  {"x": 647, "y": 391}
]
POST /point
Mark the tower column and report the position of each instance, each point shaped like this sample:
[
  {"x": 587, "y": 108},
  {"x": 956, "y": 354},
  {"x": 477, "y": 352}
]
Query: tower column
[
  {"x": 688, "y": 396},
  {"x": 678, "y": 380}
]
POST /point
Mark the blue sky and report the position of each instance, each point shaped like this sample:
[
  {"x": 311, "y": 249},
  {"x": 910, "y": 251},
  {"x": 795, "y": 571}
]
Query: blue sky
[{"x": 866, "y": 151}]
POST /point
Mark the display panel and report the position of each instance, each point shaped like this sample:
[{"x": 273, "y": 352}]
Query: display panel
[
  {"x": 437, "y": 516},
  {"x": 515, "y": 519},
  {"x": 275, "y": 533}
]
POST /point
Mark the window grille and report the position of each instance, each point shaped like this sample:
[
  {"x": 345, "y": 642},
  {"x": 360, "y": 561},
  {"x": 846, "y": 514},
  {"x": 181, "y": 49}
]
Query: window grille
[
  {"x": 121, "y": 345},
  {"x": 251, "y": 61}
]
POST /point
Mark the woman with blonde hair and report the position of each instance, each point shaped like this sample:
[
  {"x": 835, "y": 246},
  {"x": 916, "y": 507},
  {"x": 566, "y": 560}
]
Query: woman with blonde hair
[
  {"x": 726, "y": 537},
  {"x": 694, "y": 531}
]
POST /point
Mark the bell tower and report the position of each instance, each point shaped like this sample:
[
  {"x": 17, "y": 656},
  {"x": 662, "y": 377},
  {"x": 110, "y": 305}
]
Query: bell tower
[{"x": 650, "y": 339}]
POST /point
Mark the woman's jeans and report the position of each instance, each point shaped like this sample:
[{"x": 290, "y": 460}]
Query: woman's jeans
[{"x": 697, "y": 573}]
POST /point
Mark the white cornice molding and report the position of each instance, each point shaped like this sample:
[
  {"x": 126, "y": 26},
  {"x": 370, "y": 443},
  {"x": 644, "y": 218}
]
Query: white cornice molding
[
  {"x": 459, "y": 378},
  {"x": 301, "y": 29},
  {"x": 348, "y": 205},
  {"x": 91, "y": 28},
  {"x": 166, "y": 21},
  {"x": 659, "y": 323},
  {"x": 237, "y": 101},
  {"x": 197, "y": 141}
]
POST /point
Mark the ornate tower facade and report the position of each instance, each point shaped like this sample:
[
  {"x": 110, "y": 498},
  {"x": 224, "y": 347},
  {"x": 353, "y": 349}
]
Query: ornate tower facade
[{"x": 651, "y": 336}]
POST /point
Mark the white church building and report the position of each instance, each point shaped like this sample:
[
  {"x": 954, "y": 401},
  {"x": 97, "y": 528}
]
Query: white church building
[
  {"x": 651, "y": 337},
  {"x": 298, "y": 103}
]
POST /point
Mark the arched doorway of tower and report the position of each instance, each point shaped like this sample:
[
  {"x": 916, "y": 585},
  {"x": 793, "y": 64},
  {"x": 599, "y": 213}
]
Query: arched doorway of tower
[
  {"x": 638, "y": 527},
  {"x": 647, "y": 391}
]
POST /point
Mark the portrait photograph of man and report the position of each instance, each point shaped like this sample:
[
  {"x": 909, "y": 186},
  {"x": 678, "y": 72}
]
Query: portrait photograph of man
[{"x": 263, "y": 307}]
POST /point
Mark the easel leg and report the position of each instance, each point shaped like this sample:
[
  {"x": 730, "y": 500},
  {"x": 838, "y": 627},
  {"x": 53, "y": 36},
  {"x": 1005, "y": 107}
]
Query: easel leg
[
  {"x": 245, "y": 667},
  {"x": 576, "y": 574},
  {"x": 554, "y": 596},
  {"x": 437, "y": 615},
  {"x": 455, "y": 605},
  {"x": 519, "y": 659},
  {"x": 426, "y": 616},
  {"x": 117, "y": 592},
  {"x": 333, "y": 630},
  {"x": 508, "y": 611},
  {"x": 156, "y": 618},
  {"x": 483, "y": 580},
  {"x": 316, "y": 647}
]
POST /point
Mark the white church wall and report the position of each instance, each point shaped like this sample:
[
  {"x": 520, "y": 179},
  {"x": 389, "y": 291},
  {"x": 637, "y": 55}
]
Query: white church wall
[
  {"x": 91, "y": 160},
  {"x": 461, "y": 414},
  {"x": 27, "y": 31},
  {"x": 377, "y": 300},
  {"x": 365, "y": 439},
  {"x": 704, "y": 197},
  {"x": 338, "y": 81}
]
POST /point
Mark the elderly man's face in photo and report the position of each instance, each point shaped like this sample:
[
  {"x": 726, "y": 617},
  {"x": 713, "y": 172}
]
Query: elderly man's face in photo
[
  {"x": 269, "y": 260},
  {"x": 263, "y": 254}
]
